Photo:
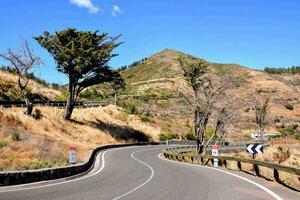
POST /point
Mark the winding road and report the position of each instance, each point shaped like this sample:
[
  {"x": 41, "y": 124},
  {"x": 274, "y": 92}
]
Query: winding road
[{"x": 141, "y": 173}]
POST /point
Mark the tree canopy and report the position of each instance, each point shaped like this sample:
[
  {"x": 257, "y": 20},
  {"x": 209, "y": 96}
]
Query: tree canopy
[
  {"x": 282, "y": 70},
  {"x": 83, "y": 56}
]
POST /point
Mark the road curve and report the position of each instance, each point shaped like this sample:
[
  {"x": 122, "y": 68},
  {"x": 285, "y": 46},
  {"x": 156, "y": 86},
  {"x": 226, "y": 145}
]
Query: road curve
[{"x": 138, "y": 173}]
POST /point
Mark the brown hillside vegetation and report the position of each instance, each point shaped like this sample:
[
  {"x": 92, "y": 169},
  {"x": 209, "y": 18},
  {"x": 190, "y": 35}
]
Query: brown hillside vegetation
[
  {"x": 9, "y": 88},
  {"x": 158, "y": 79},
  {"x": 26, "y": 143}
]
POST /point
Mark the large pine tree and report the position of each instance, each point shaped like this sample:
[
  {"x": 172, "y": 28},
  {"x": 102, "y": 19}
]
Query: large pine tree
[{"x": 83, "y": 56}]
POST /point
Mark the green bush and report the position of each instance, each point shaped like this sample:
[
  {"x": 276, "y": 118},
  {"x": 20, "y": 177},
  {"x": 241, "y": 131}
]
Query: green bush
[
  {"x": 144, "y": 98},
  {"x": 145, "y": 118},
  {"x": 63, "y": 95},
  {"x": 37, "y": 114},
  {"x": 189, "y": 135},
  {"x": 247, "y": 109},
  {"x": 129, "y": 107},
  {"x": 209, "y": 132},
  {"x": 47, "y": 163},
  {"x": 132, "y": 109},
  {"x": 3, "y": 144},
  {"x": 290, "y": 130},
  {"x": 16, "y": 135},
  {"x": 55, "y": 86},
  {"x": 168, "y": 136},
  {"x": 289, "y": 106}
]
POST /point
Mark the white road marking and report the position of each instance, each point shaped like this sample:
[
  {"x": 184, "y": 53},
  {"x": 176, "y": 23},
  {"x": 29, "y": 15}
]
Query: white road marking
[
  {"x": 147, "y": 181},
  {"x": 277, "y": 197},
  {"x": 63, "y": 182}
]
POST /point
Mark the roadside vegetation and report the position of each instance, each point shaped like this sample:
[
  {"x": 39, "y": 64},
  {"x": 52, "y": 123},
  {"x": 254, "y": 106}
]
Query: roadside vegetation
[{"x": 28, "y": 143}]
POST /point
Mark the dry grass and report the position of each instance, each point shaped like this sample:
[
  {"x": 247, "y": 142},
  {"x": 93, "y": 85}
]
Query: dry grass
[
  {"x": 44, "y": 142},
  {"x": 283, "y": 152},
  {"x": 9, "y": 81}
]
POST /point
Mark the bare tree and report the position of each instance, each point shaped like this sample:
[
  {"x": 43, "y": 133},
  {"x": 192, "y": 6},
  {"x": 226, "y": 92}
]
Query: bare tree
[
  {"x": 226, "y": 117},
  {"x": 262, "y": 114},
  {"x": 23, "y": 61},
  {"x": 206, "y": 95}
]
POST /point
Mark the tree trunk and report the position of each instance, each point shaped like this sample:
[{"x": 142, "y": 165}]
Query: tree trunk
[
  {"x": 200, "y": 145},
  {"x": 29, "y": 106},
  {"x": 198, "y": 131},
  {"x": 69, "y": 108},
  {"x": 70, "y": 102}
]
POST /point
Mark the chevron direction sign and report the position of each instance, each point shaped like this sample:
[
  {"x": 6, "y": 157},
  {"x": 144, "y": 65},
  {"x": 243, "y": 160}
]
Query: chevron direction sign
[{"x": 255, "y": 148}]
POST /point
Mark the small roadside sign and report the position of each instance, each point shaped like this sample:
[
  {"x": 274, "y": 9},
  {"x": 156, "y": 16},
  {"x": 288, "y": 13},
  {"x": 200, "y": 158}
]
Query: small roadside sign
[
  {"x": 72, "y": 155},
  {"x": 215, "y": 152},
  {"x": 255, "y": 148}
]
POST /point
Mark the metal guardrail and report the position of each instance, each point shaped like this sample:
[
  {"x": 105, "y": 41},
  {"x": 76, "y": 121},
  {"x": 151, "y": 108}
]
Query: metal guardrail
[
  {"x": 175, "y": 152},
  {"x": 9, "y": 104},
  {"x": 225, "y": 147}
]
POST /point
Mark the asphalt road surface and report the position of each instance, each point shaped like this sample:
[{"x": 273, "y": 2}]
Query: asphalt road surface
[{"x": 139, "y": 173}]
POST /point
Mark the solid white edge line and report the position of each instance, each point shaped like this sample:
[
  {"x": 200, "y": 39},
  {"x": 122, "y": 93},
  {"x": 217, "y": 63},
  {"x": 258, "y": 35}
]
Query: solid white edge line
[
  {"x": 147, "y": 181},
  {"x": 277, "y": 197},
  {"x": 62, "y": 181}
]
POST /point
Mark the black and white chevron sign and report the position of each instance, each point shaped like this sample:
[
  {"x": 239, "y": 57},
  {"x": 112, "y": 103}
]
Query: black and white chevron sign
[{"x": 255, "y": 148}]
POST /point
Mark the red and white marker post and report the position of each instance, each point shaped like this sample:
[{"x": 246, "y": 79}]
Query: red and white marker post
[
  {"x": 215, "y": 152},
  {"x": 72, "y": 154}
]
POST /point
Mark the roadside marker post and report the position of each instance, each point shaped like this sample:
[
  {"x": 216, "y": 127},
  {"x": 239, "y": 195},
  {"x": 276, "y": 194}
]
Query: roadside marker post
[
  {"x": 255, "y": 148},
  {"x": 72, "y": 155},
  {"x": 215, "y": 152}
]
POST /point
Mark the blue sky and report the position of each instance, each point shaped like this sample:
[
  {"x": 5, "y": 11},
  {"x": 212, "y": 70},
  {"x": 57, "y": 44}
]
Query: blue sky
[{"x": 254, "y": 33}]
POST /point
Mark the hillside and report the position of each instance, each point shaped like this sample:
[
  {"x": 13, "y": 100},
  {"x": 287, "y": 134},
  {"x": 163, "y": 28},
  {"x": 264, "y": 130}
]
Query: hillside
[
  {"x": 26, "y": 143},
  {"x": 29, "y": 143},
  {"x": 157, "y": 79},
  {"x": 9, "y": 88}
]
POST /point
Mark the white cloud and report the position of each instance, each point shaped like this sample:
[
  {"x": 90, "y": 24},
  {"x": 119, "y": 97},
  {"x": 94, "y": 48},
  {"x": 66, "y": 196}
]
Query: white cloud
[
  {"x": 86, "y": 4},
  {"x": 116, "y": 11}
]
